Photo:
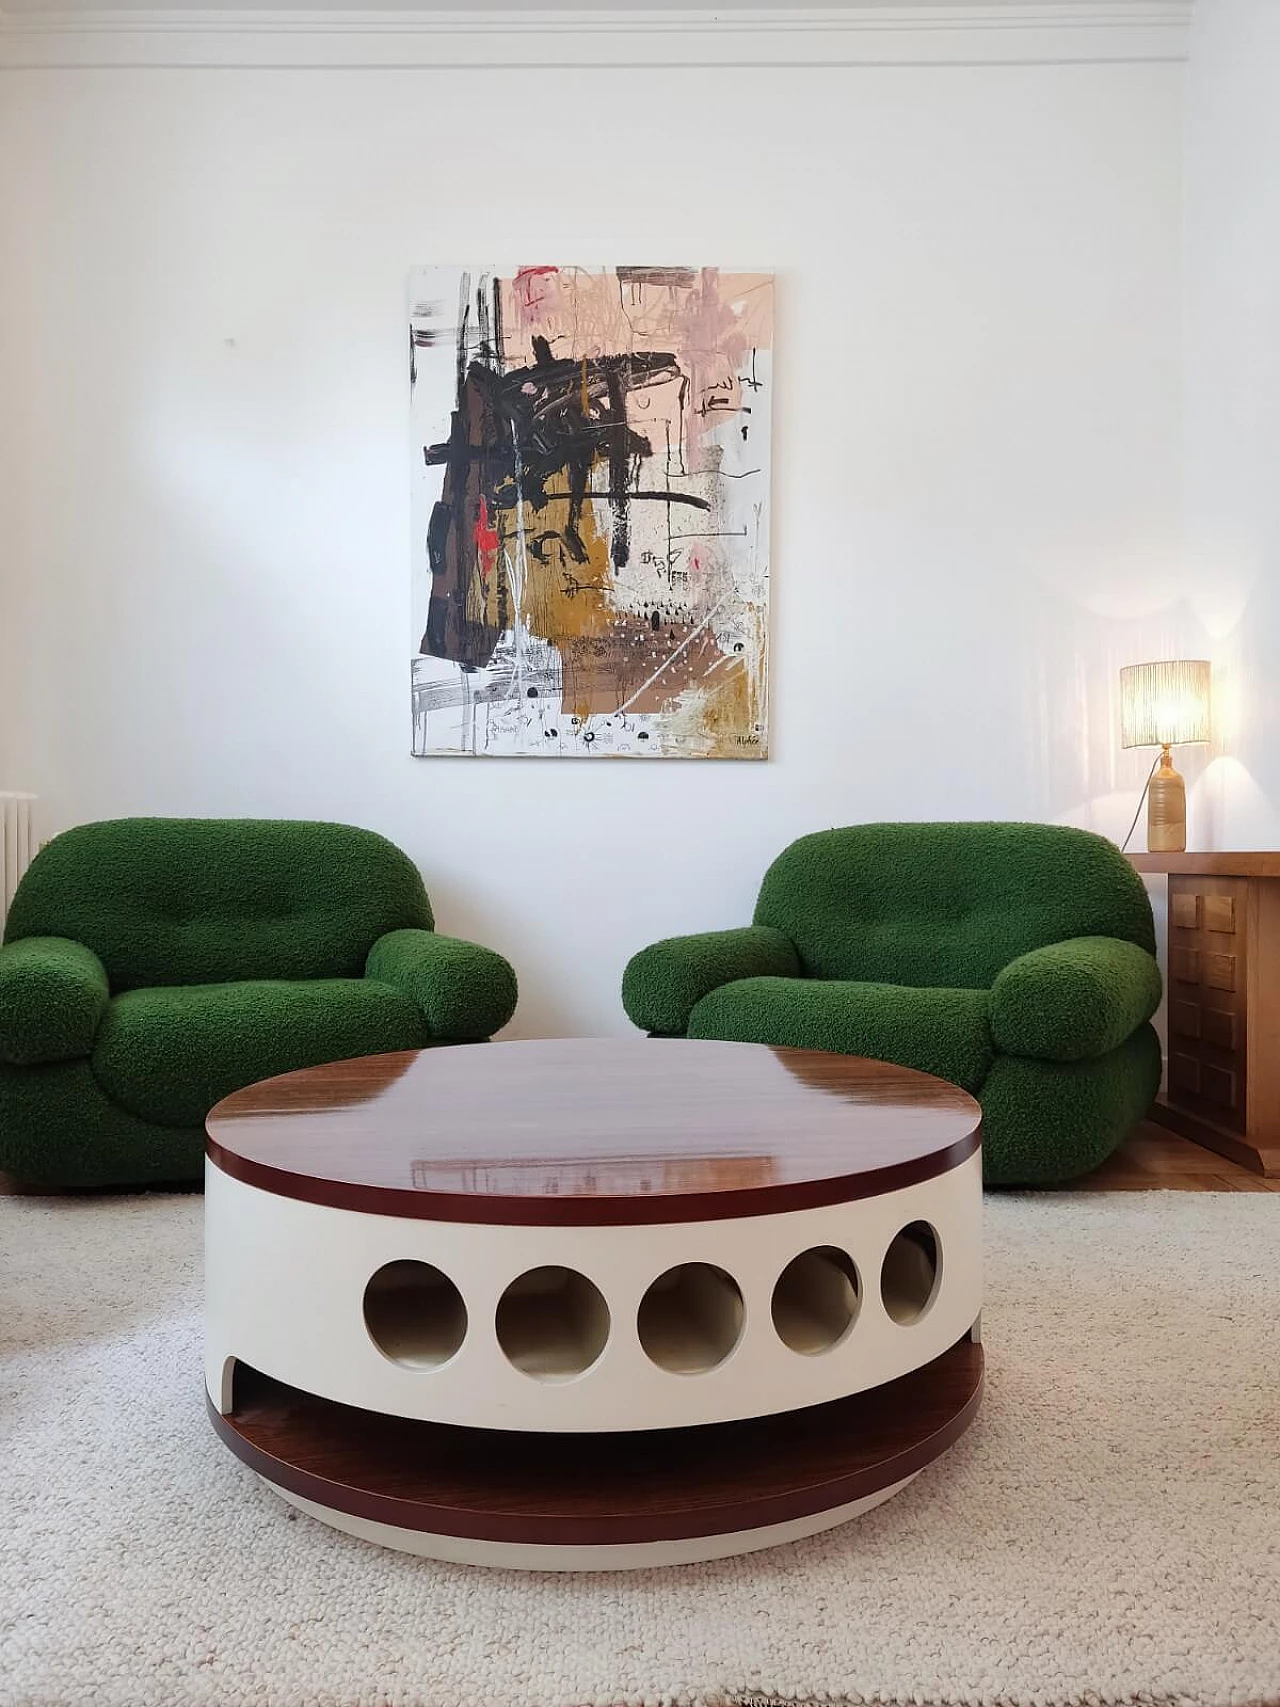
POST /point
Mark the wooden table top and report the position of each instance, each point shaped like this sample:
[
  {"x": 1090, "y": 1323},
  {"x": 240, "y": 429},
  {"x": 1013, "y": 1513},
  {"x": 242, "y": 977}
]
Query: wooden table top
[
  {"x": 591, "y": 1131},
  {"x": 1260, "y": 863}
]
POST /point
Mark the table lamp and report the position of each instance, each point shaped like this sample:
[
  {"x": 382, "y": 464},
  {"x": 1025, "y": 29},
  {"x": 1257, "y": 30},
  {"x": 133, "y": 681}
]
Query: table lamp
[{"x": 1164, "y": 705}]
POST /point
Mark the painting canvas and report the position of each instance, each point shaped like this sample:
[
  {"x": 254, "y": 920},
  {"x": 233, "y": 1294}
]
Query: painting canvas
[{"x": 590, "y": 511}]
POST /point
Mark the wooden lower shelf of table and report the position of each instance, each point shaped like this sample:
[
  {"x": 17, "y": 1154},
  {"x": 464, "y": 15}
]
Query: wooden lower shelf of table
[{"x": 600, "y": 1489}]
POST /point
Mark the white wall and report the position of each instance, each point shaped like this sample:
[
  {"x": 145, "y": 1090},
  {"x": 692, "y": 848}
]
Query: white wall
[
  {"x": 1233, "y": 400},
  {"x": 976, "y": 479}
]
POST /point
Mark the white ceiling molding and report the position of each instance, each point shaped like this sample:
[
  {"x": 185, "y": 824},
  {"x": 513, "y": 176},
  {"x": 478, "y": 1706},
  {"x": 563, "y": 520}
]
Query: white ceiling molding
[{"x": 958, "y": 32}]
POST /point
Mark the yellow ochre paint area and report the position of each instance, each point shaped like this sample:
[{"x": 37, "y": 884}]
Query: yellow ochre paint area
[{"x": 714, "y": 700}]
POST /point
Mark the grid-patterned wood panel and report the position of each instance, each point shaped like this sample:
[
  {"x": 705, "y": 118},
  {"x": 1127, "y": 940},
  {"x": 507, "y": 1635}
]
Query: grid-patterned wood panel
[{"x": 1208, "y": 970}]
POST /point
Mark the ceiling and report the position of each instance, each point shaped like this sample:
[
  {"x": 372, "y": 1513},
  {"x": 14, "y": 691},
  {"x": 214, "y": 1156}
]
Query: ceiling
[{"x": 456, "y": 8}]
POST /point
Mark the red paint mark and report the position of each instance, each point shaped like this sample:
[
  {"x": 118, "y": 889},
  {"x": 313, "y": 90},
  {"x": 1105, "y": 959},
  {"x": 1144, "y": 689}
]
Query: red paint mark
[
  {"x": 486, "y": 538},
  {"x": 524, "y": 282}
]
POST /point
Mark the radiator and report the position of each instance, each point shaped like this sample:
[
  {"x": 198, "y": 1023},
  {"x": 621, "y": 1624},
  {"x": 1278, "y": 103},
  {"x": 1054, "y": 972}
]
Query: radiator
[{"x": 17, "y": 843}]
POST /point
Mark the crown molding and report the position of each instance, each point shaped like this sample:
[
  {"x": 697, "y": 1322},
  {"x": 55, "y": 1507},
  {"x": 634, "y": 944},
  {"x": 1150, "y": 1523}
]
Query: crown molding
[{"x": 959, "y": 32}]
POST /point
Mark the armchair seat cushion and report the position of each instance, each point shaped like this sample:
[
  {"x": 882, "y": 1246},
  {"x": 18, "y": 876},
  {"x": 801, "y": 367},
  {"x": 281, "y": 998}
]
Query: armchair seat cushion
[
  {"x": 167, "y": 1054},
  {"x": 940, "y": 1031}
]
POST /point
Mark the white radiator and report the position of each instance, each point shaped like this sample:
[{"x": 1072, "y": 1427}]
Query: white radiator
[{"x": 17, "y": 843}]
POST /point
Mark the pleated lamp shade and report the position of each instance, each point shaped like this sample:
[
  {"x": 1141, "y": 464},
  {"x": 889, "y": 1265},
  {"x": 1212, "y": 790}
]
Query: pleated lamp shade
[{"x": 1166, "y": 704}]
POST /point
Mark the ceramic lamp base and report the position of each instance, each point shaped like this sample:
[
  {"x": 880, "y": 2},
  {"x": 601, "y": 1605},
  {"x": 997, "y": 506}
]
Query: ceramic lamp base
[{"x": 1166, "y": 809}]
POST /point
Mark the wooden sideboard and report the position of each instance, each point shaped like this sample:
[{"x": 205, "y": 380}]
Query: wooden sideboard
[{"x": 1222, "y": 1072}]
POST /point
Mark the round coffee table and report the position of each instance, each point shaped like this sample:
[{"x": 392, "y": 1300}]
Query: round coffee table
[{"x": 591, "y": 1304}]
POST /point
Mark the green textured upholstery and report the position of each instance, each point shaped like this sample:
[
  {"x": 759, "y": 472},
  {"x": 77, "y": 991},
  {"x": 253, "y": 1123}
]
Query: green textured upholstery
[
  {"x": 948, "y": 904},
  {"x": 53, "y": 994},
  {"x": 938, "y": 1031},
  {"x": 208, "y": 901},
  {"x": 1045, "y": 1121},
  {"x": 664, "y": 983},
  {"x": 58, "y": 1127},
  {"x": 152, "y": 965},
  {"x": 1073, "y": 1000},
  {"x": 170, "y": 1053},
  {"x": 1016, "y": 960},
  {"x": 462, "y": 990}
]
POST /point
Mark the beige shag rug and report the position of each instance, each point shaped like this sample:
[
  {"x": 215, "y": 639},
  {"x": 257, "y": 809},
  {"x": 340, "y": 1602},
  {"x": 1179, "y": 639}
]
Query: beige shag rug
[{"x": 1108, "y": 1532}]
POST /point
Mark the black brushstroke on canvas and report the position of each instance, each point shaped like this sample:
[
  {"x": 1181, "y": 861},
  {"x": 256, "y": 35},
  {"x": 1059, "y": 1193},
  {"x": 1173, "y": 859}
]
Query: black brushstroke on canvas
[{"x": 511, "y": 434}]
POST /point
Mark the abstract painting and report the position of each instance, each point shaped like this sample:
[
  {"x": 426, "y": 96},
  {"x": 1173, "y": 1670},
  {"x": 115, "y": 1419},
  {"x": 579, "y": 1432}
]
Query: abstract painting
[{"x": 590, "y": 511}]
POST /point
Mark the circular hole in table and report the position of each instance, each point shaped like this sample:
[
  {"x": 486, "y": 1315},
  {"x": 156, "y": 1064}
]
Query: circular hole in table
[
  {"x": 552, "y": 1323},
  {"x": 816, "y": 1299},
  {"x": 910, "y": 1272},
  {"x": 691, "y": 1318},
  {"x": 415, "y": 1314}
]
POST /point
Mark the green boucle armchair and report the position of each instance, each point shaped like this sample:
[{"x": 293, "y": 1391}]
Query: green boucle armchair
[
  {"x": 1016, "y": 960},
  {"x": 153, "y": 965}
]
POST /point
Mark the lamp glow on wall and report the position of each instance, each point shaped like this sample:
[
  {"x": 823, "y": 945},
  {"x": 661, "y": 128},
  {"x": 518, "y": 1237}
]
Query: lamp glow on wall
[{"x": 1165, "y": 705}]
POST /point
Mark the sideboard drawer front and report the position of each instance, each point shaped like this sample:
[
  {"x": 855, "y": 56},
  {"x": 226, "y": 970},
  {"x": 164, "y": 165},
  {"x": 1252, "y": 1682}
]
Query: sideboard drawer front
[{"x": 1220, "y": 914}]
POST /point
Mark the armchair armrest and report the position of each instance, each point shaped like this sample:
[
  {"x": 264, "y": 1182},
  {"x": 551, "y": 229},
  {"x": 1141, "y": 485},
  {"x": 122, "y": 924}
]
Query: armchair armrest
[
  {"x": 53, "y": 994},
  {"x": 1073, "y": 1000},
  {"x": 664, "y": 983},
  {"x": 465, "y": 991}
]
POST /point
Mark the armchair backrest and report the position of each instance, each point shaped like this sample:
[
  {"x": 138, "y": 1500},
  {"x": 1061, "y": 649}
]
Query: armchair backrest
[
  {"x": 214, "y": 900},
  {"x": 947, "y": 905}
]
